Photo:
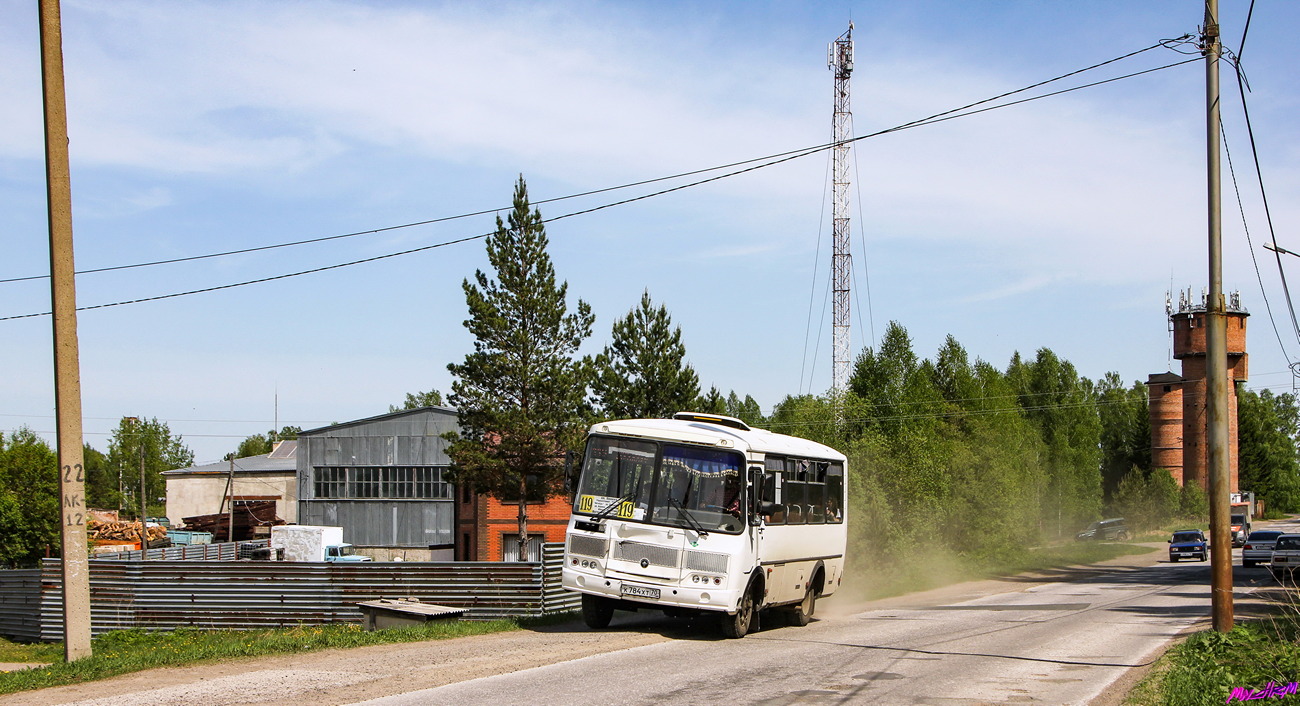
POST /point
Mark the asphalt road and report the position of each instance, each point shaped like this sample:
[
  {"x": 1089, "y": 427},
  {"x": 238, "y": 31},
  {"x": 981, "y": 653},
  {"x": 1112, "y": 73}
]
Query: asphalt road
[{"x": 1061, "y": 639}]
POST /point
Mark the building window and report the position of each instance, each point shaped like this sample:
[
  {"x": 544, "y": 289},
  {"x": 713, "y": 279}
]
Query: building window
[
  {"x": 381, "y": 482},
  {"x": 510, "y": 548}
]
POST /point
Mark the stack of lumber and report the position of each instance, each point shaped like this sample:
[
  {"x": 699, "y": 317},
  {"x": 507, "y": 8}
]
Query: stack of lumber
[
  {"x": 120, "y": 531},
  {"x": 247, "y": 517}
]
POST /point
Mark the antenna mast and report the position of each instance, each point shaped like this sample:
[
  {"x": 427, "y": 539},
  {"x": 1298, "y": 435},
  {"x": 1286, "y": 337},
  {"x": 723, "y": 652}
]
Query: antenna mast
[{"x": 840, "y": 61}]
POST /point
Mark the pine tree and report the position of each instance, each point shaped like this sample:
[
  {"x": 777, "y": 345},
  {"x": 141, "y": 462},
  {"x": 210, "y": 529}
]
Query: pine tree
[
  {"x": 521, "y": 394},
  {"x": 642, "y": 374}
]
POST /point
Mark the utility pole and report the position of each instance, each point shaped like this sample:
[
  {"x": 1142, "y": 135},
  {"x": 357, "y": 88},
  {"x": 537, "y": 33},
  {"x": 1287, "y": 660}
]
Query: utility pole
[
  {"x": 1216, "y": 343},
  {"x": 840, "y": 61},
  {"x": 75, "y": 566},
  {"x": 230, "y": 489},
  {"x": 144, "y": 500}
]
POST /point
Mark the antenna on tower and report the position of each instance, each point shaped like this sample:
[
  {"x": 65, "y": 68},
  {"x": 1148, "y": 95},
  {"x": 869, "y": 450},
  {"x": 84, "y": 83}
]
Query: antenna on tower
[{"x": 840, "y": 61}]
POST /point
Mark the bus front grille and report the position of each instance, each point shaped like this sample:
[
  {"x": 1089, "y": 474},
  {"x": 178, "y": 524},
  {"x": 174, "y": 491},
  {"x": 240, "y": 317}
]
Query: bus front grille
[
  {"x": 706, "y": 561},
  {"x": 587, "y": 546},
  {"x": 655, "y": 555}
]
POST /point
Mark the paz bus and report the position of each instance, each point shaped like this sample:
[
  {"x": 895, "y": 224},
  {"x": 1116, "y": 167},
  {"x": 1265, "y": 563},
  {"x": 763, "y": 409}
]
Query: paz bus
[{"x": 701, "y": 514}]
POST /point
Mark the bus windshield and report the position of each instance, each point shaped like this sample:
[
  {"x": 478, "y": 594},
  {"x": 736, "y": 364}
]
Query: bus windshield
[{"x": 666, "y": 484}]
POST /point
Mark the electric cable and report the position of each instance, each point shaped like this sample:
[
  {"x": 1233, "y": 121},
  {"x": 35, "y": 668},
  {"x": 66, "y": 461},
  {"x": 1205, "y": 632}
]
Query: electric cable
[
  {"x": 1250, "y": 246},
  {"x": 1162, "y": 43},
  {"x": 1246, "y": 29},
  {"x": 862, "y": 240},
  {"x": 783, "y": 157},
  {"x": 812, "y": 293},
  {"x": 1263, "y": 192}
]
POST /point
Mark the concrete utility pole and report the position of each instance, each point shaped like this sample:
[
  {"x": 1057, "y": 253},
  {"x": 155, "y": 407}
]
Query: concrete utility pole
[
  {"x": 840, "y": 61},
  {"x": 1216, "y": 344},
  {"x": 67, "y": 366},
  {"x": 144, "y": 500}
]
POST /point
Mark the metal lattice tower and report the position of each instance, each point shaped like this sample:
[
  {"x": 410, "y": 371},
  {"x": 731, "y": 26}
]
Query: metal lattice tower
[{"x": 840, "y": 61}]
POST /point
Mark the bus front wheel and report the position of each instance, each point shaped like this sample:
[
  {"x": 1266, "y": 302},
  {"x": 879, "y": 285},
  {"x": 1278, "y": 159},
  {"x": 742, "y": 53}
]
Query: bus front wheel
[
  {"x": 735, "y": 626},
  {"x": 597, "y": 611}
]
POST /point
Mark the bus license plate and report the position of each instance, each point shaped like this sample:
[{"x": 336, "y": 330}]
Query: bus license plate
[{"x": 640, "y": 592}]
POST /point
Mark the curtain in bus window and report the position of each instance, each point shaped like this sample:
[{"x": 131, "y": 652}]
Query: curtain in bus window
[{"x": 695, "y": 479}]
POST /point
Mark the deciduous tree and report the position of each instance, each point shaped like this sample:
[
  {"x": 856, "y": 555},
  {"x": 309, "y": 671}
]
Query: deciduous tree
[
  {"x": 416, "y": 400},
  {"x": 148, "y": 444},
  {"x": 1267, "y": 463},
  {"x": 29, "y": 498},
  {"x": 262, "y": 444}
]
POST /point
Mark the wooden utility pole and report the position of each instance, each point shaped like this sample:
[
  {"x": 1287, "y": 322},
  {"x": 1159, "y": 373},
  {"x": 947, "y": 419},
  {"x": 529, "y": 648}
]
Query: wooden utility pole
[
  {"x": 67, "y": 366},
  {"x": 1216, "y": 344}
]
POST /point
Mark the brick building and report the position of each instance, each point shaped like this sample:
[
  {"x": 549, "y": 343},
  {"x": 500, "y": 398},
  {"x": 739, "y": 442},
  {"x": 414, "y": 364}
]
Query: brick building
[
  {"x": 489, "y": 528},
  {"x": 1178, "y": 402}
]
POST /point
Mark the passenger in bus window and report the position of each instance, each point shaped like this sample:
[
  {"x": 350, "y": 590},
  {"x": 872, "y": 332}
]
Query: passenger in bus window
[
  {"x": 832, "y": 508},
  {"x": 725, "y": 496}
]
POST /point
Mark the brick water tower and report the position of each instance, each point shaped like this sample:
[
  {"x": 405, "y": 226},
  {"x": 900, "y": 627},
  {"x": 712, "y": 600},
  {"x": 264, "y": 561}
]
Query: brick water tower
[{"x": 1187, "y": 323}]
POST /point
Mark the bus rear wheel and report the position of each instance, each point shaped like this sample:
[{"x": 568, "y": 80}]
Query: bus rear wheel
[
  {"x": 736, "y": 626},
  {"x": 803, "y": 612},
  {"x": 597, "y": 611}
]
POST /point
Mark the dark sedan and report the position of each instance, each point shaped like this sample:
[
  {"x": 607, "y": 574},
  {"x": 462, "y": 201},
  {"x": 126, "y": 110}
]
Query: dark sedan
[{"x": 1187, "y": 544}]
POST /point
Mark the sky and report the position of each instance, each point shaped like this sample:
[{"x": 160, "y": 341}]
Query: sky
[{"x": 206, "y": 127}]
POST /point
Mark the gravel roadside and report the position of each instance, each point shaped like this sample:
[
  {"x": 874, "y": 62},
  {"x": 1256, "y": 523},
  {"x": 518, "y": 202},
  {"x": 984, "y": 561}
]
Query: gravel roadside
[
  {"x": 359, "y": 674},
  {"x": 341, "y": 676}
]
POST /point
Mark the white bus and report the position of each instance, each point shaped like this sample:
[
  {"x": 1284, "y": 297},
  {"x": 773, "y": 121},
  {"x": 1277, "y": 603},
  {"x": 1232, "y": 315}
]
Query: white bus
[{"x": 702, "y": 514}]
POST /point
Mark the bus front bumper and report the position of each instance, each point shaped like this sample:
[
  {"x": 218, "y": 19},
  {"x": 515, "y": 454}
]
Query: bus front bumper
[{"x": 658, "y": 595}]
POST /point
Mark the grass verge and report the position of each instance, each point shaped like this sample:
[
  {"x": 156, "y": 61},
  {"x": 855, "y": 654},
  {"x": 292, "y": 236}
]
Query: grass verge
[
  {"x": 17, "y": 652},
  {"x": 1206, "y": 667},
  {"x": 127, "y": 651}
]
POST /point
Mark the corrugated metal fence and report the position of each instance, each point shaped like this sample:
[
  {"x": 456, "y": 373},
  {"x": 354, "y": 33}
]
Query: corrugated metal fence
[{"x": 234, "y": 595}]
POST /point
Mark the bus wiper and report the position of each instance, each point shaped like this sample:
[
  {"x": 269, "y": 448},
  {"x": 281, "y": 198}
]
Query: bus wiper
[
  {"x": 612, "y": 507},
  {"x": 694, "y": 524}
]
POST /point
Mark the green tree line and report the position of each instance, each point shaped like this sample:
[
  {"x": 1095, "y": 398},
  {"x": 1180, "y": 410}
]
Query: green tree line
[
  {"x": 947, "y": 451},
  {"x": 138, "y": 450}
]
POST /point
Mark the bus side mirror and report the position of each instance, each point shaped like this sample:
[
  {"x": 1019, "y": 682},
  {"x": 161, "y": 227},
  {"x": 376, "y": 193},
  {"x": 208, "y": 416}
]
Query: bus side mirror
[{"x": 767, "y": 509}]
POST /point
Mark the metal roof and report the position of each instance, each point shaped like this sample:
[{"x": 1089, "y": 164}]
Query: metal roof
[
  {"x": 448, "y": 411},
  {"x": 265, "y": 463}
]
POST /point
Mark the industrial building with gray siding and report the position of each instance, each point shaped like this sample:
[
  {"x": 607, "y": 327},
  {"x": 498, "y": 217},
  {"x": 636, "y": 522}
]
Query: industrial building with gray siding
[{"x": 383, "y": 480}]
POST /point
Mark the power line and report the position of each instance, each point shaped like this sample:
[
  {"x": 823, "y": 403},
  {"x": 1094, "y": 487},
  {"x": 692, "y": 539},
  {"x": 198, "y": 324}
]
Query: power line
[
  {"x": 414, "y": 224},
  {"x": 772, "y": 160},
  {"x": 1259, "y": 176},
  {"x": 1250, "y": 246},
  {"x": 593, "y": 192}
]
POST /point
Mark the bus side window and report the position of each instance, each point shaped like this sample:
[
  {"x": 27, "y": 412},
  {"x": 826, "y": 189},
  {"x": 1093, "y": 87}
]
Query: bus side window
[
  {"x": 793, "y": 496},
  {"x": 835, "y": 493},
  {"x": 816, "y": 492},
  {"x": 816, "y": 500},
  {"x": 769, "y": 495}
]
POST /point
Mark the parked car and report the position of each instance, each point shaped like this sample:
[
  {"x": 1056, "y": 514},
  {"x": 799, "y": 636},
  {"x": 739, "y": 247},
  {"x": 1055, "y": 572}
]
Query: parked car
[
  {"x": 1259, "y": 547},
  {"x": 1188, "y": 544},
  {"x": 1286, "y": 553},
  {"x": 1111, "y": 529}
]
